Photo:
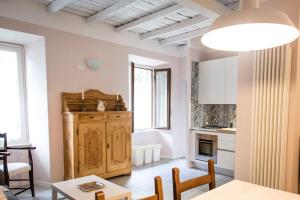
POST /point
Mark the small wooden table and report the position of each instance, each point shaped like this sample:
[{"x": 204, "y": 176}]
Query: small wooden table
[
  {"x": 70, "y": 190},
  {"x": 240, "y": 190}
]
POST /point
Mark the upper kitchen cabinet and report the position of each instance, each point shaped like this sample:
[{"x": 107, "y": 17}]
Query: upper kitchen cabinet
[
  {"x": 211, "y": 82},
  {"x": 218, "y": 81},
  {"x": 231, "y": 80}
]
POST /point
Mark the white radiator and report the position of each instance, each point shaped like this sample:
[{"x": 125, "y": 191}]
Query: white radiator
[{"x": 271, "y": 86}]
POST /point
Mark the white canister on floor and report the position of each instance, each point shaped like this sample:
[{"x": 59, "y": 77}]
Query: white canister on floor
[
  {"x": 156, "y": 152},
  {"x": 138, "y": 155},
  {"x": 148, "y": 154}
]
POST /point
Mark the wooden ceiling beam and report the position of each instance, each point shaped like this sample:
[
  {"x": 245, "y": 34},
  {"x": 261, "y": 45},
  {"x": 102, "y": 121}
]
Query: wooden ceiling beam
[
  {"x": 198, "y": 20},
  {"x": 185, "y": 36},
  {"x": 112, "y": 10},
  {"x": 152, "y": 16},
  {"x": 208, "y": 8},
  {"x": 57, "y": 5}
]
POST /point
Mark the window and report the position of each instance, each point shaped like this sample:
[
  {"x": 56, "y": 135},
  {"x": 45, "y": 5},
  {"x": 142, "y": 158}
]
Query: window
[
  {"x": 142, "y": 98},
  {"x": 162, "y": 82},
  {"x": 12, "y": 88},
  {"x": 150, "y": 97}
]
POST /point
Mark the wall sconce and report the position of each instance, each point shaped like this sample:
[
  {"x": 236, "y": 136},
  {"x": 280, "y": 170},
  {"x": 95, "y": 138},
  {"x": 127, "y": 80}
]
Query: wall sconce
[{"x": 93, "y": 64}]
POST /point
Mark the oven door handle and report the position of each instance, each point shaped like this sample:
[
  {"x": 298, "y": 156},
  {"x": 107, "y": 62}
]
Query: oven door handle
[{"x": 206, "y": 142}]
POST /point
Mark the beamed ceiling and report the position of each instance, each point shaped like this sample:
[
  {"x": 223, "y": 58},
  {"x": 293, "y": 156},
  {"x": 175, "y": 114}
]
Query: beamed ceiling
[{"x": 168, "y": 21}]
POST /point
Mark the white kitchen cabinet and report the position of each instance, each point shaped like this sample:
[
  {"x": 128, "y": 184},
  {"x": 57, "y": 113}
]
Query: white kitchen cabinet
[
  {"x": 211, "y": 82},
  {"x": 225, "y": 159},
  {"x": 218, "y": 81},
  {"x": 231, "y": 80},
  {"x": 226, "y": 141}
]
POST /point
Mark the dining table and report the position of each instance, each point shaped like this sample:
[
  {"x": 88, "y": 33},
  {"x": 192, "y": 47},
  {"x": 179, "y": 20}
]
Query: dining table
[{"x": 240, "y": 190}]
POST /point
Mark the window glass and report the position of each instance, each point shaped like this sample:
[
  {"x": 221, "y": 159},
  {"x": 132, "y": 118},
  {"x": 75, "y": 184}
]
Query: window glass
[
  {"x": 142, "y": 98},
  {"x": 162, "y": 98},
  {"x": 12, "y": 101}
]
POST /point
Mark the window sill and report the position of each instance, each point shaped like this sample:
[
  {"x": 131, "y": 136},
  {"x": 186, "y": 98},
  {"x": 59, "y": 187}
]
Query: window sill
[
  {"x": 20, "y": 145},
  {"x": 153, "y": 131},
  {"x": 146, "y": 131}
]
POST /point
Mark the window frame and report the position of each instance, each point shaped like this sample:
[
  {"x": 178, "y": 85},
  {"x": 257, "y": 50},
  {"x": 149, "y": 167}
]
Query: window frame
[
  {"x": 153, "y": 116},
  {"x": 20, "y": 50}
]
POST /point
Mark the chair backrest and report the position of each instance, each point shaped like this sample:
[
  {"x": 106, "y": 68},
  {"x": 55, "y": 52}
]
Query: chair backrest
[
  {"x": 3, "y": 142},
  {"x": 158, "y": 190},
  {"x": 179, "y": 187},
  {"x": 99, "y": 195},
  {"x": 3, "y": 158}
]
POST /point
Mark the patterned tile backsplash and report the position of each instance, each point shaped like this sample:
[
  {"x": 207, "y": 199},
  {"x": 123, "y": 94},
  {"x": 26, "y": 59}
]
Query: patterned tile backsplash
[{"x": 223, "y": 115}]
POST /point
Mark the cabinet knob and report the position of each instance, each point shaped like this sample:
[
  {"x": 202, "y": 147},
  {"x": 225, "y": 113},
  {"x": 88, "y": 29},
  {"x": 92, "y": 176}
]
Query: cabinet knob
[
  {"x": 118, "y": 116},
  {"x": 92, "y": 117}
]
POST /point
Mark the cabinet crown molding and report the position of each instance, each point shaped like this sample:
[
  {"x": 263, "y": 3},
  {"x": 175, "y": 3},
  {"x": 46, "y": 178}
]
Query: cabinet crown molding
[{"x": 73, "y": 102}]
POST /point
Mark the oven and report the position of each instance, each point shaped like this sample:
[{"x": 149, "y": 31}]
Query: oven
[{"x": 206, "y": 147}]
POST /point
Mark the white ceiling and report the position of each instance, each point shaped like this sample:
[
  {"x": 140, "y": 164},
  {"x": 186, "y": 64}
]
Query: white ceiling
[{"x": 168, "y": 21}]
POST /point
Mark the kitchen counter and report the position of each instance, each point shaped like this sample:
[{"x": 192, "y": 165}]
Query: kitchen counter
[{"x": 222, "y": 130}]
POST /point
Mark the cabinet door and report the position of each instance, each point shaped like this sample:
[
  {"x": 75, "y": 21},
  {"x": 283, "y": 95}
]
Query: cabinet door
[
  {"x": 212, "y": 82},
  {"x": 225, "y": 159},
  {"x": 92, "y": 149},
  {"x": 119, "y": 145},
  {"x": 231, "y": 80}
]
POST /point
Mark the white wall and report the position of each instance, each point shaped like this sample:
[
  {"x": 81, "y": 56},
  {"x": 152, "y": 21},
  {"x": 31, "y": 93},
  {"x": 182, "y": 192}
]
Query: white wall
[
  {"x": 37, "y": 101},
  {"x": 165, "y": 138},
  {"x": 36, "y": 91},
  {"x": 244, "y": 111}
]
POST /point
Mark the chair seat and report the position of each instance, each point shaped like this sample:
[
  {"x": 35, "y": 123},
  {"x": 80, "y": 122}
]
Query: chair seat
[{"x": 16, "y": 168}]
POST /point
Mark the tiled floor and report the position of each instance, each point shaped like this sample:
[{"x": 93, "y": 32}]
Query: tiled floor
[{"x": 141, "y": 181}]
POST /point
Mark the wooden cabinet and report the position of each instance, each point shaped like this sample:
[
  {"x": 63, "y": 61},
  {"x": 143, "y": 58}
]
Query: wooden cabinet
[
  {"x": 96, "y": 143},
  {"x": 119, "y": 145},
  {"x": 218, "y": 81},
  {"x": 91, "y": 148}
]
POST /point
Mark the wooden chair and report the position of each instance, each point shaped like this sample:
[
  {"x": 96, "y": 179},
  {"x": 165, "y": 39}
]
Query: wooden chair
[
  {"x": 179, "y": 187},
  {"x": 11, "y": 169},
  {"x": 99, "y": 195},
  {"x": 158, "y": 190}
]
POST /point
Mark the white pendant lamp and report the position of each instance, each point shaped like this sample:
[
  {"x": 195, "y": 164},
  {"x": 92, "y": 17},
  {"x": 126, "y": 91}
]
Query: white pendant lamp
[{"x": 250, "y": 28}]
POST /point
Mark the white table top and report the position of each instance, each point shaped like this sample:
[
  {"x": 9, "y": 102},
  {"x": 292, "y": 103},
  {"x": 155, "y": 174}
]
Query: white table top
[
  {"x": 70, "y": 190},
  {"x": 240, "y": 190}
]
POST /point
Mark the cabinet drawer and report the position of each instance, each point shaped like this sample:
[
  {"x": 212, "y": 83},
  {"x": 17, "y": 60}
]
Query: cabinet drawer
[
  {"x": 115, "y": 116},
  {"x": 226, "y": 145},
  {"x": 226, "y": 141},
  {"x": 226, "y": 136},
  {"x": 91, "y": 117}
]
